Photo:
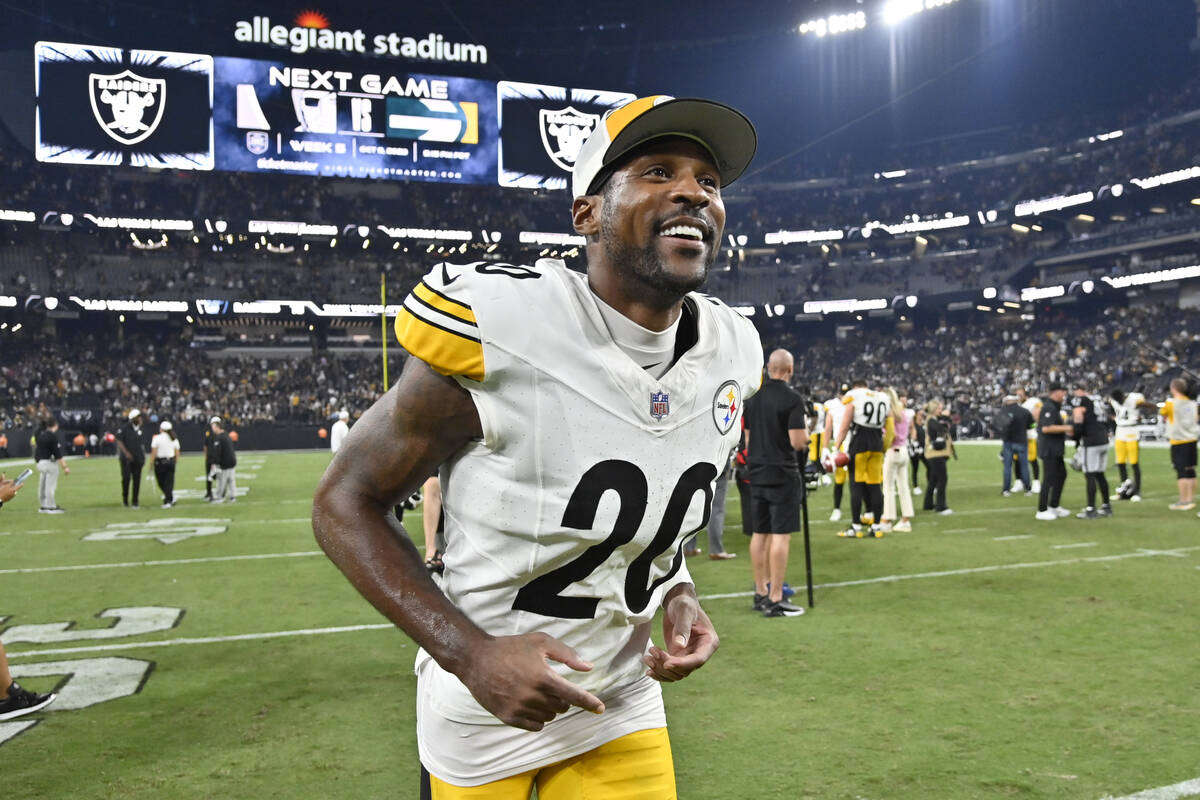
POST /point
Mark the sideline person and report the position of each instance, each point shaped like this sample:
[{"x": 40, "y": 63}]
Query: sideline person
[
  {"x": 165, "y": 447},
  {"x": 132, "y": 456},
  {"x": 776, "y": 431},
  {"x": 48, "y": 455},
  {"x": 1183, "y": 429},
  {"x": 579, "y": 422}
]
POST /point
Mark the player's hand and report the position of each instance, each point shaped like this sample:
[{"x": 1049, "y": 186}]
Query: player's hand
[
  {"x": 690, "y": 637},
  {"x": 8, "y": 489},
  {"x": 509, "y": 677}
]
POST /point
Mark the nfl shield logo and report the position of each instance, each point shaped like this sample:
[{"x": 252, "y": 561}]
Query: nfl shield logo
[
  {"x": 257, "y": 142},
  {"x": 127, "y": 106},
  {"x": 660, "y": 404},
  {"x": 563, "y": 133}
]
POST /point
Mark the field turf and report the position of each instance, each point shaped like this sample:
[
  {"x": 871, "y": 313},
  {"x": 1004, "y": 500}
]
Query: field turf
[{"x": 983, "y": 655}]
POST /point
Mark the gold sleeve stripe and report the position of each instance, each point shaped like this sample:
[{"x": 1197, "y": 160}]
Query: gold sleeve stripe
[
  {"x": 447, "y": 305},
  {"x": 446, "y": 351}
]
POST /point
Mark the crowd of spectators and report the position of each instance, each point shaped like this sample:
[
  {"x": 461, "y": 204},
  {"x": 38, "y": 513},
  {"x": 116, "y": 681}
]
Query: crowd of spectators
[{"x": 166, "y": 377}]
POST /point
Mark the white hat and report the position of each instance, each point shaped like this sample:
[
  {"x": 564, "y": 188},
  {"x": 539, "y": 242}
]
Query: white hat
[
  {"x": 164, "y": 426},
  {"x": 213, "y": 419},
  {"x": 725, "y": 132},
  {"x": 343, "y": 414},
  {"x": 134, "y": 414}
]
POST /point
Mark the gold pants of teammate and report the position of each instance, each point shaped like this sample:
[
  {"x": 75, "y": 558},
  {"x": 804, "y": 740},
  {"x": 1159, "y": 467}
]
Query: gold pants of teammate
[
  {"x": 1127, "y": 452},
  {"x": 868, "y": 467},
  {"x": 637, "y": 766}
]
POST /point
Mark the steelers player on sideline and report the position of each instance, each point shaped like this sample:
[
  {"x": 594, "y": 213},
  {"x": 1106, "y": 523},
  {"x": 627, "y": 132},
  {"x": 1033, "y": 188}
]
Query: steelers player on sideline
[
  {"x": 817, "y": 440},
  {"x": 833, "y": 423},
  {"x": 1034, "y": 406},
  {"x": 1089, "y": 416},
  {"x": 1127, "y": 413},
  {"x": 864, "y": 417},
  {"x": 579, "y": 422}
]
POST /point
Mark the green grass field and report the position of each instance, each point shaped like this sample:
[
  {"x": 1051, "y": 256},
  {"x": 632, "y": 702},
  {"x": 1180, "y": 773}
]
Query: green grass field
[{"x": 982, "y": 655}]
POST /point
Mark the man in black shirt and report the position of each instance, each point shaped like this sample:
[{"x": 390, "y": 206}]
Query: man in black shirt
[
  {"x": 1052, "y": 445},
  {"x": 48, "y": 453},
  {"x": 210, "y": 458},
  {"x": 1016, "y": 423},
  {"x": 1089, "y": 416},
  {"x": 225, "y": 462},
  {"x": 132, "y": 455},
  {"x": 776, "y": 429}
]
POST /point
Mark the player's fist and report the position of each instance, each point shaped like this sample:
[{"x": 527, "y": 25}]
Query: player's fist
[{"x": 840, "y": 459}]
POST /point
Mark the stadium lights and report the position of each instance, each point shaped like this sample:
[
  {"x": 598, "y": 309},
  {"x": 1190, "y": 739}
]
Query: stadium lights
[
  {"x": 1032, "y": 293},
  {"x": 983, "y": 308},
  {"x": 1055, "y": 203},
  {"x": 7, "y": 301},
  {"x": 989, "y": 293},
  {"x": 12, "y": 215},
  {"x": 896, "y": 11},
  {"x": 17, "y": 327},
  {"x": 1195, "y": 201},
  {"x": 1175, "y": 176},
  {"x": 1157, "y": 276},
  {"x": 1019, "y": 228},
  {"x": 1104, "y": 137},
  {"x": 834, "y": 24},
  {"x": 805, "y": 237}
]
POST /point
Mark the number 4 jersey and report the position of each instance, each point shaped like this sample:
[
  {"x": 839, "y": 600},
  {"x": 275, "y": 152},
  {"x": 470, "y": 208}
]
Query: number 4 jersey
[{"x": 568, "y": 517}]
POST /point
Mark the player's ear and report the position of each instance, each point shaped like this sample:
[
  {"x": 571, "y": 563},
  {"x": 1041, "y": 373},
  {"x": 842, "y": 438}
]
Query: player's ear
[{"x": 585, "y": 214}]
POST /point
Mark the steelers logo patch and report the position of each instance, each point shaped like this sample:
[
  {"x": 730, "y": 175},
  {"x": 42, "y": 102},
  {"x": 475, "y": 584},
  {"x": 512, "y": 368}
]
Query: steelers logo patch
[{"x": 727, "y": 405}]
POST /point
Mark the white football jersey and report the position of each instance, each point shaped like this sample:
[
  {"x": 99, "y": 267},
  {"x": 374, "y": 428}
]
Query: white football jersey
[
  {"x": 1034, "y": 406},
  {"x": 1128, "y": 417},
  {"x": 569, "y": 516},
  {"x": 871, "y": 408},
  {"x": 833, "y": 412}
]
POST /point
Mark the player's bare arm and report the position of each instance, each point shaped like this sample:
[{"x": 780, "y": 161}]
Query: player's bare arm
[
  {"x": 844, "y": 428},
  {"x": 416, "y": 426},
  {"x": 689, "y": 634}
]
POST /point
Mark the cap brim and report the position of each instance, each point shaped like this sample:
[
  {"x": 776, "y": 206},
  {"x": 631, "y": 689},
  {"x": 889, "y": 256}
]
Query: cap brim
[{"x": 725, "y": 132}]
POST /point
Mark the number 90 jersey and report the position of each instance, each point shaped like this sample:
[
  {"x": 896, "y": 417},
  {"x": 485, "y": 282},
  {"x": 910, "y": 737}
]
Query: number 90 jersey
[{"x": 568, "y": 517}]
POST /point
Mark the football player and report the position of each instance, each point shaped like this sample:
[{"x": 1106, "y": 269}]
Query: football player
[
  {"x": 1127, "y": 412},
  {"x": 833, "y": 423},
  {"x": 1089, "y": 417},
  {"x": 579, "y": 421},
  {"x": 1034, "y": 406},
  {"x": 865, "y": 414}
]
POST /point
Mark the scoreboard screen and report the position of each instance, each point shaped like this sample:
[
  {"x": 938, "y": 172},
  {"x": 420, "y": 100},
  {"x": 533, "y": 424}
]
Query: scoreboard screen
[
  {"x": 277, "y": 117},
  {"x": 103, "y": 105},
  {"x": 542, "y": 128},
  {"x": 148, "y": 108}
]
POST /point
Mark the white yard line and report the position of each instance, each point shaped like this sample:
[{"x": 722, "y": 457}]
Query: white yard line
[
  {"x": 966, "y": 530},
  {"x": 160, "y": 563},
  {"x": 45, "y": 531},
  {"x": 1178, "y": 552},
  {"x": 241, "y": 637},
  {"x": 1174, "y": 792},
  {"x": 1011, "y": 538},
  {"x": 1072, "y": 546}
]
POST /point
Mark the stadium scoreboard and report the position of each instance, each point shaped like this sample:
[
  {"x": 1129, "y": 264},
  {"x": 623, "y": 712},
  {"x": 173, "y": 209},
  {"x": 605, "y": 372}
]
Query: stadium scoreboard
[{"x": 146, "y": 108}]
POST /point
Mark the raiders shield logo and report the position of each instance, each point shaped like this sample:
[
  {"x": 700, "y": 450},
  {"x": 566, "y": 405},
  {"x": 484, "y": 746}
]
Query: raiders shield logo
[
  {"x": 127, "y": 106},
  {"x": 257, "y": 142},
  {"x": 563, "y": 133}
]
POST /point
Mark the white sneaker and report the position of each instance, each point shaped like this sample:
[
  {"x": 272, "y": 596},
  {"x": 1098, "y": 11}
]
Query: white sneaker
[
  {"x": 1048, "y": 515},
  {"x": 1061, "y": 512},
  {"x": 1036, "y": 486},
  {"x": 836, "y": 515},
  {"x": 1136, "y": 498},
  {"x": 1018, "y": 486},
  {"x": 903, "y": 526},
  {"x": 917, "y": 490},
  {"x": 946, "y": 511},
  {"x": 886, "y": 527}
]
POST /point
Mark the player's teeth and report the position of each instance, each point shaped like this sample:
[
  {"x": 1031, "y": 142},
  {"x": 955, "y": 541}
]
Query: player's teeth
[{"x": 684, "y": 230}]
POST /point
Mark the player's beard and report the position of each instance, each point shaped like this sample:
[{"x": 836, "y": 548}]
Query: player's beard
[{"x": 645, "y": 266}]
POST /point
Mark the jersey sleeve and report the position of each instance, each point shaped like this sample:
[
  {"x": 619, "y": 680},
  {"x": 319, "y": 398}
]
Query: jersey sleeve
[
  {"x": 1168, "y": 410},
  {"x": 437, "y": 324}
]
